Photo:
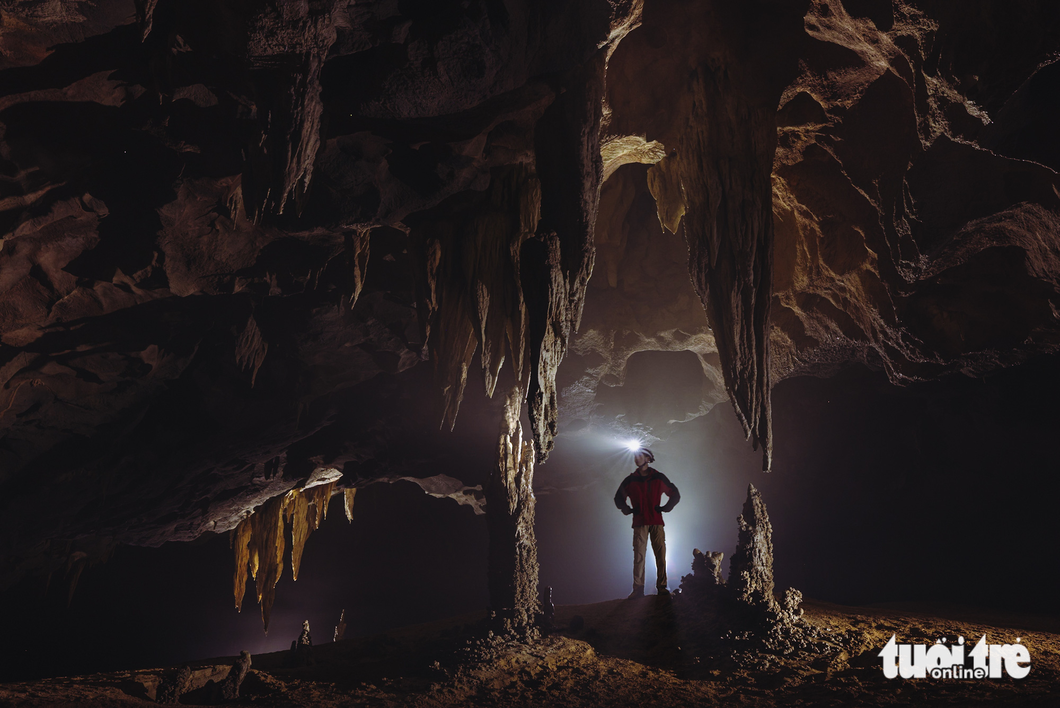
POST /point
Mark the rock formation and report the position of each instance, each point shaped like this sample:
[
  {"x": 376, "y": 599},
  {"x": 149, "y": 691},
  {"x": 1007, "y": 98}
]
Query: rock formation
[
  {"x": 258, "y": 541},
  {"x": 548, "y": 610},
  {"x": 174, "y": 686},
  {"x": 751, "y": 566},
  {"x": 301, "y": 653},
  {"x": 340, "y": 628},
  {"x": 229, "y": 690},
  {"x": 231, "y": 234},
  {"x": 706, "y": 578},
  {"x": 746, "y": 607},
  {"x": 512, "y": 572}
]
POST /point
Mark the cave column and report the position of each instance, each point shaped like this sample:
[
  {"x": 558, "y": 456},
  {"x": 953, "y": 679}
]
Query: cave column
[{"x": 510, "y": 502}]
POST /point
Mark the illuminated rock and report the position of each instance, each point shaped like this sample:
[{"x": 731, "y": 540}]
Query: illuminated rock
[
  {"x": 751, "y": 566},
  {"x": 340, "y": 628},
  {"x": 512, "y": 571},
  {"x": 258, "y": 542},
  {"x": 301, "y": 653},
  {"x": 224, "y": 226},
  {"x": 706, "y": 573}
]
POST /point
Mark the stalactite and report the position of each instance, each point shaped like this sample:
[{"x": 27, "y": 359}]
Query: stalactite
[
  {"x": 251, "y": 349},
  {"x": 241, "y": 547},
  {"x": 557, "y": 264},
  {"x": 285, "y": 66},
  {"x": 357, "y": 243},
  {"x": 470, "y": 266},
  {"x": 258, "y": 542},
  {"x": 719, "y": 176},
  {"x": 266, "y": 552},
  {"x": 664, "y": 183},
  {"x": 297, "y": 513},
  {"x": 725, "y": 163},
  {"x": 305, "y": 510},
  {"x": 348, "y": 495}
]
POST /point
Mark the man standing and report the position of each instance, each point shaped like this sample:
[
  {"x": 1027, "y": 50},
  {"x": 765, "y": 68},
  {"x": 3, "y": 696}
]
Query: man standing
[{"x": 644, "y": 489}]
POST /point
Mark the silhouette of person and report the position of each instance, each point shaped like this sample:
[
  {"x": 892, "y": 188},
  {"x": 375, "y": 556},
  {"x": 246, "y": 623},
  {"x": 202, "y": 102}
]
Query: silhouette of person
[{"x": 644, "y": 488}]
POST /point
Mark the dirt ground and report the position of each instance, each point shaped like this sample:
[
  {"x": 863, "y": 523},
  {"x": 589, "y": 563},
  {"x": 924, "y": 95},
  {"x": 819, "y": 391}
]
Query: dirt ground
[{"x": 643, "y": 652}]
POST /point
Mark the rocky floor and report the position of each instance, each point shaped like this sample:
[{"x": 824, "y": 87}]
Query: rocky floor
[{"x": 642, "y": 652}]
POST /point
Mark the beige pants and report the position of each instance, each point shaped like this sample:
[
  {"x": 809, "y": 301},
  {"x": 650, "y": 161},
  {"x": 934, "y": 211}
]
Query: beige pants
[{"x": 641, "y": 534}]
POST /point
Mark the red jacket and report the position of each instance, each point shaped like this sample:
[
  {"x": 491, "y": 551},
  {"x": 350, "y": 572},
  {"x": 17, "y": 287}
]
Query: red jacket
[{"x": 645, "y": 494}]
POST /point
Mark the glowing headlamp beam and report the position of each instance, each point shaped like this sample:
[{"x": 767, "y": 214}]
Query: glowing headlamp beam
[{"x": 633, "y": 445}]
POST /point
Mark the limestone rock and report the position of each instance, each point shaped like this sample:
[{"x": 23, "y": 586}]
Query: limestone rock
[
  {"x": 548, "y": 610},
  {"x": 174, "y": 686},
  {"x": 301, "y": 653},
  {"x": 229, "y": 690},
  {"x": 223, "y": 225},
  {"x": 751, "y": 566},
  {"x": 512, "y": 571},
  {"x": 706, "y": 578},
  {"x": 340, "y": 628}
]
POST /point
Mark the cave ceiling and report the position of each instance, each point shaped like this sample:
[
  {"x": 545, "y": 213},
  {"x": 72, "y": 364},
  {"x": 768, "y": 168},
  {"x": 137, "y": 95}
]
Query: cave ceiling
[{"x": 245, "y": 244}]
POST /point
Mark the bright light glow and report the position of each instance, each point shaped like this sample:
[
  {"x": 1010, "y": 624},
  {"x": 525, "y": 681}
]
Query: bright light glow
[{"x": 633, "y": 445}]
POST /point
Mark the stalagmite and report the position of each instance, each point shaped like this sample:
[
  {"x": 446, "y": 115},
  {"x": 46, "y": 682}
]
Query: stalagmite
[
  {"x": 513, "y": 569},
  {"x": 301, "y": 653},
  {"x": 751, "y": 566},
  {"x": 340, "y": 628}
]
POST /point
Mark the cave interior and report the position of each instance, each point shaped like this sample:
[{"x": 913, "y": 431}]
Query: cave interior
[{"x": 424, "y": 265}]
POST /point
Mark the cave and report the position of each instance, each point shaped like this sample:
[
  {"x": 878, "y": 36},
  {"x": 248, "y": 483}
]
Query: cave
[{"x": 325, "y": 327}]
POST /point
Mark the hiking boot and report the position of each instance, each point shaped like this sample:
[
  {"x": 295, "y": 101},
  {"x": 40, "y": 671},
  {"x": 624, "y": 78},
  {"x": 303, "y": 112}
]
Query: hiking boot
[{"x": 637, "y": 592}]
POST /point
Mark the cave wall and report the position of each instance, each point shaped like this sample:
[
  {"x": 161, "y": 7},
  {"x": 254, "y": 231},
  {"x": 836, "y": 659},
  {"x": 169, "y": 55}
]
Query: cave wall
[
  {"x": 230, "y": 232},
  {"x": 904, "y": 232}
]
